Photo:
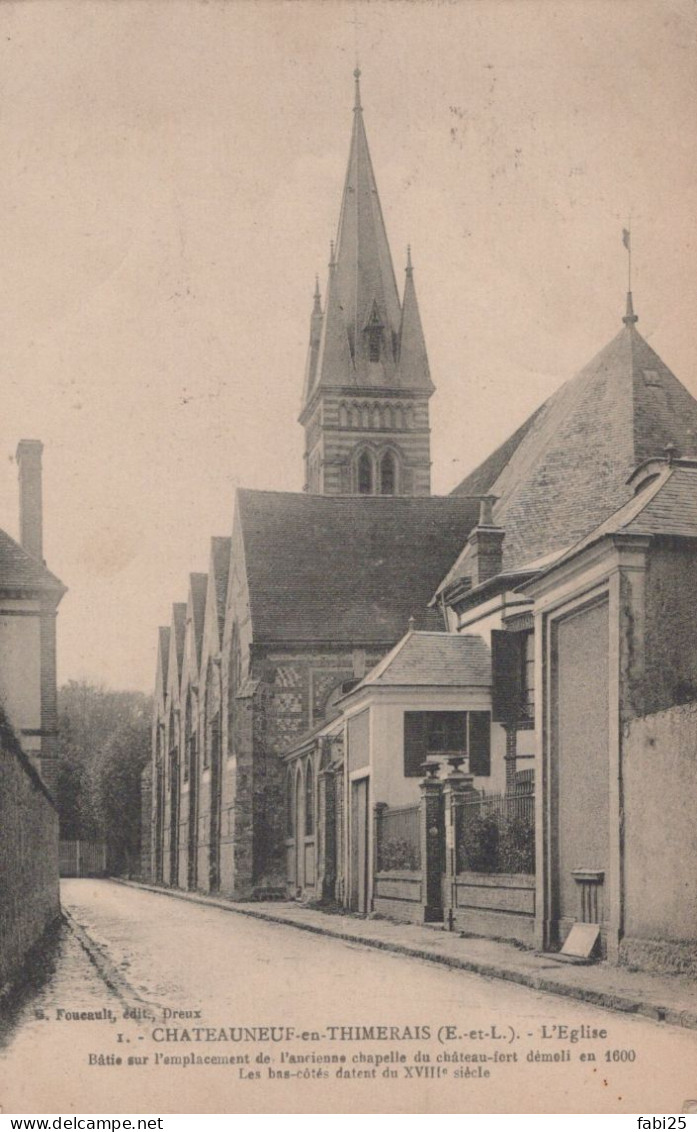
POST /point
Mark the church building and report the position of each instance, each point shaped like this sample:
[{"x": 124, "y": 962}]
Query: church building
[
  {"x": 354, "y": 647},
  {"x": 317, "y": 586}
]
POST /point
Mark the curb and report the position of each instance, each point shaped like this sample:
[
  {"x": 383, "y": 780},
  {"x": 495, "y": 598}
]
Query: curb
[
  {"x": 110, "y": 974},
  {"x": 609, "y": 1000}
]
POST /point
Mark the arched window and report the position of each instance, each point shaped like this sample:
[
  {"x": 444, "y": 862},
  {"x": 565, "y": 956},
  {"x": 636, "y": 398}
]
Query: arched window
[
  {"x": 297, "y": 816},
  {"x": 376, "y": 417},
  {"x": 388, "y": 417},
  {"x": 374, "y": 343},
  {"x": 365, "y": 474},
  {"x": 309, "y": 800},
  {"x": 290, "y": 804},
  {"x": 172, "y": 735},
  {"x": 235, "y": 659},
  {"x": 388, "y": 475},
  {"x": 398, "y": 417},
  {"x": 187, "y": 737}
]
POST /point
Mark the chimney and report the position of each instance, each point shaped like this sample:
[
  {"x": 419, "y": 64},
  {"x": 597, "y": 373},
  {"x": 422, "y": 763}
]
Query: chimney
[
  {"x": 486, "y": 544},
  {"x": 30, "y": 507}
]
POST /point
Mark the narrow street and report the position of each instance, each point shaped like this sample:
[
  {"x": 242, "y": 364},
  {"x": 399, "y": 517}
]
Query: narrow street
[{"x": 208, "y": 983}]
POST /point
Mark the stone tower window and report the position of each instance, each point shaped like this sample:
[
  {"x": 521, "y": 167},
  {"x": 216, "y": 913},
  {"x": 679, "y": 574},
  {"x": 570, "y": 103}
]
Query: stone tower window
[
  {"x": 388, "y": 475},
  {"x": 365, "y": 474},
  {"x": 374, "y": 343}
]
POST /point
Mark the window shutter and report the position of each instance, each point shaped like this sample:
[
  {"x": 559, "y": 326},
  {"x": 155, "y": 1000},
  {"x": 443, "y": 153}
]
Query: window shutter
[
  {"x": 414, "y": 743},
  {"x": 507, "y": 673},
  {"x": 457, "y": 731},
  {"x": 480, "y": 743}
]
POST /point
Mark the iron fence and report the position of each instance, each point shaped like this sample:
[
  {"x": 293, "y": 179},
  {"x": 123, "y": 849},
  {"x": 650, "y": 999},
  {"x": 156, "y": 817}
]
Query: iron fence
[
  {"x": 495, "y": 833},
  {"x": 82, "y": 859},
  {"x": 398, "y": 833}
]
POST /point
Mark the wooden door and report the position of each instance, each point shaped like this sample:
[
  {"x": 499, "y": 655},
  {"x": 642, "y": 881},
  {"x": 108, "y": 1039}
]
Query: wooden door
[
  {"x": 359, "y": 845},
  {"x": 580, "y": 768}
]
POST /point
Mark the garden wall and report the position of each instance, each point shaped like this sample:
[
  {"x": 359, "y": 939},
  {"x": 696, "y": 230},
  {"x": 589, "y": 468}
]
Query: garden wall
[{"x": 29, "y": 898}]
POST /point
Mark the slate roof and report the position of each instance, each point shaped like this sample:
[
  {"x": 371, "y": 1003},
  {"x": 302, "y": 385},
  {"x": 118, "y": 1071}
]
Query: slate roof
[
  {"x": 566, "y": 468},
  {"x": 666, "y": 504},
  {"x": 362, "y": 290},
  {"x": 163, "y": 652},
  {"x": 448, "y": 660},
  {"x": 179, "y": 627},
  {"x": 220, "y": 567},
  {"x": 198, "y": 584},
  {"x": 346, "y": 569},
  {"x": 21, "y": 571}
]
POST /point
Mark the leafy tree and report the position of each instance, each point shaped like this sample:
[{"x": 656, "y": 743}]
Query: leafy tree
[
  {"x": 75, "y": 800},
  {"x": 119, "y": 785},
  {"x": 104, "y": 746}
]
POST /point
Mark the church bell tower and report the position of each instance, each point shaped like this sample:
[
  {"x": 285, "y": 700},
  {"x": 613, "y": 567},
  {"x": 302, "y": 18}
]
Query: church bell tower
[{"x": 367, "y": 381}]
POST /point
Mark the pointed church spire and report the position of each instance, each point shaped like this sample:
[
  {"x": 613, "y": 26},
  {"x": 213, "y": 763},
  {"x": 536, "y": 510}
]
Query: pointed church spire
[
  {"x": 413, "y": 359},
  {"x": 363, "y": 312},
  {"x": 357, "y": 99},
  {"x": 630, "y": 318},
  {"x": 367, "y": 381},
  {"x": 316, "y": 320}
]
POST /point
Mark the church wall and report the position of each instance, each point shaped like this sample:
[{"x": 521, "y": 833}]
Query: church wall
[
  {"x": 237, "y": 718},
  {"x": 294, "y": 688}
]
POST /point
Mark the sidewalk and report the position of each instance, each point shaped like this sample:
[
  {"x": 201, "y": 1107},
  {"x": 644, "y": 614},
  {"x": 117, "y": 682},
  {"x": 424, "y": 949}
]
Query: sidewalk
[{"x": 663, "y": 998}]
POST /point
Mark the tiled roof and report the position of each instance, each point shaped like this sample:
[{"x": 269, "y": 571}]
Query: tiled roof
[
  {"x": 479, "y": 482},
  {"x": 566, "y": 468},
  {"x": 220, "y": 567},
  {"x": 179, "y": 627},
  {"x": 163, "y": 650},
  {"x": 447, "y": 660},
  {"x": 672, "y": 510},
  {"x": 346, "y": 569},
  {"x": 198, "y": 587},
  {"x": 665, "y": 505},
  {"x": 21, "y": 571}
]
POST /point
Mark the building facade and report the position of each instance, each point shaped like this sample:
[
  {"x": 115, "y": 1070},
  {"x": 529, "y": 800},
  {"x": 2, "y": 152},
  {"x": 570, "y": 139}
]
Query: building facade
[
  {"x": 440, "y": 708},
  {"x": 29, "y": 599},
  {"x": 309, "y": 591}
]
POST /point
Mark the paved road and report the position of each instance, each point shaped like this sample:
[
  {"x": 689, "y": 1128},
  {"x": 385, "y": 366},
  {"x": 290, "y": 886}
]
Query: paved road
[{"x": 479, "y": 1042}]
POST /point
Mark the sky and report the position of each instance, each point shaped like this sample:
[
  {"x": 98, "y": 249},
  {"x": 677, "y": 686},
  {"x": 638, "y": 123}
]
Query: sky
[{"x": 170, "y": 183}]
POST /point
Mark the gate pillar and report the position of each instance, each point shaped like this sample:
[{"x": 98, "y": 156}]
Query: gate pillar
[
  {"x": 431, "y": 844},
  {"x": 456, "y": 787}
]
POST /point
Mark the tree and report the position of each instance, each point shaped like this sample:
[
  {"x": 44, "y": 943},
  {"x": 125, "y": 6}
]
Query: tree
[
  {"x": 104, "y": 746},
  {"x": 119, "y": 785}
]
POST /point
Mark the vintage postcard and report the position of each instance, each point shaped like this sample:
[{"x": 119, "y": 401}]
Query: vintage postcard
[{"x": 348, "y": 571}]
